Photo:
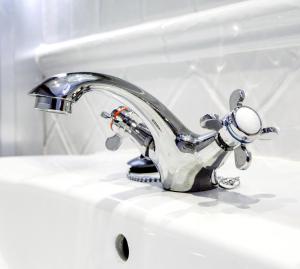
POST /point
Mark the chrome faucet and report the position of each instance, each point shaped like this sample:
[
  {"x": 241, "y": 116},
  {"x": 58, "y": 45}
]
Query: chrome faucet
[{"x": 182, "y": 160}]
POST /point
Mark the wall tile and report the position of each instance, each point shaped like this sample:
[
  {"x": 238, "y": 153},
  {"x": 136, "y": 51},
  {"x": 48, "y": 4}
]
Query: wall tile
[
  {"x": 204, "y": 4},
  {"x": 190, "y": 89},
  {"x": 7, "y": 101},
  {"x": 119, "y": 13},
  {"x": 160, "y": 80},
  {"x": 20, "y": 30},
  {"x": 193, "y": 98},
  {"x": 57, "y": 19},
  {"x": 281, "y": 109},
  {"x": 78, "y": 126},
  {"x": 157, "y": 9},
  {"x": 29, "y": 129},
  {"x": 85, "y": 17},
  {"x": 55, "y": 144}
]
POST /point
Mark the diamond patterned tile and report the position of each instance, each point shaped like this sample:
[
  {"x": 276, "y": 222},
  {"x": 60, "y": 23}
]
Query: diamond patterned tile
[
  {"x": 160, "y": 79},
  {"x": 77, "y": 127},
  {"x": 56, "y": 144},
  {"x": 193, "y": 99},
  {"x": 194, "y": 87},
  {"x": 282, "y": 110}
]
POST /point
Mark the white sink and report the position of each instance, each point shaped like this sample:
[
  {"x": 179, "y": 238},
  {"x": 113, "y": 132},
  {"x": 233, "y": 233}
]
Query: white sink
[{"x": 65, "y": 212}]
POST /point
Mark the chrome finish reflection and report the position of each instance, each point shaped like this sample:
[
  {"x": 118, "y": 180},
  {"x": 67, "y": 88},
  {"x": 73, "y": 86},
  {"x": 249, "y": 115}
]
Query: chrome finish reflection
[{"x": 186, "y": 161}]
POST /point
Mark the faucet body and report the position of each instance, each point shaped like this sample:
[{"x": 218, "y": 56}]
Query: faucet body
[{"x": 185, "y": 160}]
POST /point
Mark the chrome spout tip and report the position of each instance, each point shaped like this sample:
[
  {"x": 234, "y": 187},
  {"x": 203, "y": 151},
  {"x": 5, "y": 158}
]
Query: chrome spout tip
[{"x": 53, "y": 105}]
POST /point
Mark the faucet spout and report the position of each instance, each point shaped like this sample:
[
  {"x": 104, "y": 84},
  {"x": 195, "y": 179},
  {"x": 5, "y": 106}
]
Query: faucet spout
[{"x": 58, "y": 93}]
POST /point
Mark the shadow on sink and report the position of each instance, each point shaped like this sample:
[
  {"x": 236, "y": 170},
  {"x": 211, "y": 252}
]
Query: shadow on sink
[{"x": 236, "y": 199}]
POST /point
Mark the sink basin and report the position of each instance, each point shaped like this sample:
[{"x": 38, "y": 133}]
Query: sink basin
[{"x": 71, "y": 212}]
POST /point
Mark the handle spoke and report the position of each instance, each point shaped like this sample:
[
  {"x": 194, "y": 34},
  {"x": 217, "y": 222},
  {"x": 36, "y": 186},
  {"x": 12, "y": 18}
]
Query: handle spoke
[
  {"x": 242, "y": 157},
  {"x": 211, "y": 122},
  {"x": 268, "y": 133},
  {"x": 113, "y": 143},
  {"x": 236, "y": 99}
]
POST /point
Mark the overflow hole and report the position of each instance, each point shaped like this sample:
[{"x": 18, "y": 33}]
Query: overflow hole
[{"x": 122, "y": 247}]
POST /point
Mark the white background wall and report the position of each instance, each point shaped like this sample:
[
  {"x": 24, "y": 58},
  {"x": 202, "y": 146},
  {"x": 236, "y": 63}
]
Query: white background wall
[
  {"x": 21, "y": 130},
  {"x": 198, "y": 53}
]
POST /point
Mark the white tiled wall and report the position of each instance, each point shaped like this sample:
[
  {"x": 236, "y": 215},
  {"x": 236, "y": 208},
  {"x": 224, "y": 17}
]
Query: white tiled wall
[
  {"x": 189, "y": 53},
  {"x": 65, "y": 19},
  {"x": 21, "y": 129},
  {"x": 24, "y": 25}
]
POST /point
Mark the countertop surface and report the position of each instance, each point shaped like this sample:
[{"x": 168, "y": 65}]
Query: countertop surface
[{"x": 261, "y": 218}]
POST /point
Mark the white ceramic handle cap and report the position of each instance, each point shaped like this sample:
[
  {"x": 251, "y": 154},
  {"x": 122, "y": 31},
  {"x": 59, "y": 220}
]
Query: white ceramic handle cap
[{"x": 247, "y": 120}]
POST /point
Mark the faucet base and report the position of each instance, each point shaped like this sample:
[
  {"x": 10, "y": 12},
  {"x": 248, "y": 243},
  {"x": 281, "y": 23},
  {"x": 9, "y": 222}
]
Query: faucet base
[
  {"x": 203, "y": 181},
  {"x": 142, "y": 169}
]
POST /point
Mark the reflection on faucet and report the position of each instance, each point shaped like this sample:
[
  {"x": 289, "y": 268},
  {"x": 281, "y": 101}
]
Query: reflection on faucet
[{"x": 171, "y": 153}]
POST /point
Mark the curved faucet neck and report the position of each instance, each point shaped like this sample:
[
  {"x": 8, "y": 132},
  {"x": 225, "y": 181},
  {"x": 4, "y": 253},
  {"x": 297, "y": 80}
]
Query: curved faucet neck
[{"x": 70, "y": 87}]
